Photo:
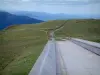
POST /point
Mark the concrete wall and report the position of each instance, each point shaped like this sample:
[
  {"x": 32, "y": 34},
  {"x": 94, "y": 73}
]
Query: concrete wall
[
  {"x": 93, "y": 48},
  {"x": 46, "y": 63}
]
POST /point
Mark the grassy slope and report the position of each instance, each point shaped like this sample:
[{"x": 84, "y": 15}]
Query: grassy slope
[
  {"x": 21, "y": 45},
  {"x": 85, "y": 29}
]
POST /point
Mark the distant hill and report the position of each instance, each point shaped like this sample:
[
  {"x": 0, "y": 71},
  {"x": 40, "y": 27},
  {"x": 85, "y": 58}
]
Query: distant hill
[
  {"x": 7, "y": 19},
  {"x": 58, "y": 16},
  {"x": 45, "y": 16}
]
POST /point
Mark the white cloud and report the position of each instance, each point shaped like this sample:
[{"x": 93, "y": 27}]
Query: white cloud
[
  {"x": 71, "y": 6},
  {"x": 25, "y": 0}
]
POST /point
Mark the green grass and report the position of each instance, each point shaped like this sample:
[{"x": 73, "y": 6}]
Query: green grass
[
  {"x": 21, "y": 45},
  {"x": 18, "y": 45},
  {"x": 85, "y": 29}
]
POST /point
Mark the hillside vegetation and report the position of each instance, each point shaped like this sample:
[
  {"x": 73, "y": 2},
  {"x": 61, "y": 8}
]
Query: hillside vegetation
[
  {"x": 20, "y": 45},
  {"x": 8, "y": 19},
  {"x": 85, "y": 29}
]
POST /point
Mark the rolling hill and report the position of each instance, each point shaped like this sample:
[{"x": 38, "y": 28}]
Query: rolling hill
[
  {"x": 21, "y": 45},
  {"x": 7, "y": 19},
  {"x": 58, "y": 16}
]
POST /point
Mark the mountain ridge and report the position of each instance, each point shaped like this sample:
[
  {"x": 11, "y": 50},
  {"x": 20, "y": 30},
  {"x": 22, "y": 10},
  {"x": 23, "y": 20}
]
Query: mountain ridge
[
  {"x": 57, "y": 16},
  {"x": 8, "y": 19}
]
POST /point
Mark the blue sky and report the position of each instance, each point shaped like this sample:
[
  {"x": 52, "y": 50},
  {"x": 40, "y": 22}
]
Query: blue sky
[{"x": 84, "y": 7}]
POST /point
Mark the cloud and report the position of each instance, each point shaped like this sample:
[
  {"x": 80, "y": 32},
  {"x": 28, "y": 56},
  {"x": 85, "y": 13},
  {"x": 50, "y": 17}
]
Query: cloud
[
  {"x": 53, "y": 6},
  {"x": 25, "y": 0}
]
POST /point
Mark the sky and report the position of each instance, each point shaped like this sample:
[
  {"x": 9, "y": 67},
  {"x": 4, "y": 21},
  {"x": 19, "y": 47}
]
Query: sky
[{"x": 84, "y": 7}]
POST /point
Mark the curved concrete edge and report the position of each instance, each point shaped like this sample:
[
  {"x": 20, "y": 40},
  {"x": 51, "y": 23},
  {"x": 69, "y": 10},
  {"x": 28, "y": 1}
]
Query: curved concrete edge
[
  {"x": 46, "y": 63},
  {"x": 87, "y": 46},
  {"x": 88, "y": 42}
]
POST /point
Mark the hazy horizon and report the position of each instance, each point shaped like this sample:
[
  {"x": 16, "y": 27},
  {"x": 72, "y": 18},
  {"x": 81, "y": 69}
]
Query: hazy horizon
[{"x": 73, "y": 7}]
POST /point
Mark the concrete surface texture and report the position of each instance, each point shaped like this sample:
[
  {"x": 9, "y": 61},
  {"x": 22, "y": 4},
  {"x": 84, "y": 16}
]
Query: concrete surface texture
[
  {"x": 88, "y": 42},
  {"x": 46, "y": 63},
  {"x": 79, "y": 61},
  {"x": 88, "y": 45},
  {"x": 68, "y": 58}
]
